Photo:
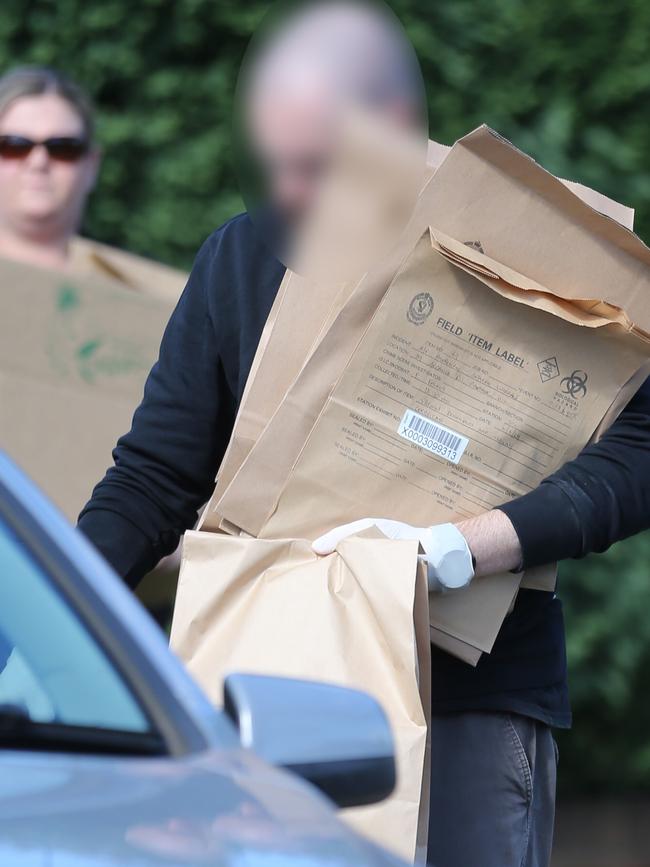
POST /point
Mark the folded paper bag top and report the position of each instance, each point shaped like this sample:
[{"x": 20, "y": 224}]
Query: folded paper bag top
[
  {"x": 588, "y": 311},
  {"x": 524, "y": 217},
  {"x": 356, "y": 618}
]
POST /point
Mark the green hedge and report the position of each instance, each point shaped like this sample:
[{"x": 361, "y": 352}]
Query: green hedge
[
  {"x": 607, "y": 608},
  {"x": 566, "y": 80}
]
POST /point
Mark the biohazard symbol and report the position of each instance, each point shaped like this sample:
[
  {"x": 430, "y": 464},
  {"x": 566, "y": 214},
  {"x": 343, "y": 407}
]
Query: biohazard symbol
[{"x": 575, "y": 384}]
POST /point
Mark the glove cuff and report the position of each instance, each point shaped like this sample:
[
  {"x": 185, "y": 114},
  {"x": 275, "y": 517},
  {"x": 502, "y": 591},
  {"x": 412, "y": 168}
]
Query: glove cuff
[{"x": 449, "y": 559}]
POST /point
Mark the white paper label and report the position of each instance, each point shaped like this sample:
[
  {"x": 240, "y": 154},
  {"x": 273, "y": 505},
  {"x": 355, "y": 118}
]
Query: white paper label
[{"x": 432, "y": 436}]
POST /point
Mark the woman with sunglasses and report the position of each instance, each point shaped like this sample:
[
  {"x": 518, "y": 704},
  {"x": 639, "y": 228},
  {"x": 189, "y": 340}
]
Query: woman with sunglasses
[{"x": 48, "y": 165}]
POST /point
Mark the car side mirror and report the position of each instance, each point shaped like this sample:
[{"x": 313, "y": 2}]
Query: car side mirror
[{"x": 336, "y": 738}]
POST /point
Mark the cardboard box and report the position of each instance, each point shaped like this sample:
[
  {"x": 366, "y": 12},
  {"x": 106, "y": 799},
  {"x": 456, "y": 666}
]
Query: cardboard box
[{"x": 75, "y": 350}]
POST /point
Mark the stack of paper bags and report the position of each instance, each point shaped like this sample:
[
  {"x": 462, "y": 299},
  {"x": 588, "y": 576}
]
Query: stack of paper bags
[
  {"x": 505, "y": 327},
  {"x": 489, "y": 217}
]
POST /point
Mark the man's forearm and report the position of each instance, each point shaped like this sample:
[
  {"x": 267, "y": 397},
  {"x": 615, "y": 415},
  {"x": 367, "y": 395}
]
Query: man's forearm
[{"x": 493, "y": 542}]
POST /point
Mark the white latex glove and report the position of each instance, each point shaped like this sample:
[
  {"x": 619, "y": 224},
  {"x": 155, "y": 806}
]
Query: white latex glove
[{"x": 446, "y": 552}]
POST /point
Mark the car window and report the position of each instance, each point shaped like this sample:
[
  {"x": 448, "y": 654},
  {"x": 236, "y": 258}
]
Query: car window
[{"x": 51, "y": 667}]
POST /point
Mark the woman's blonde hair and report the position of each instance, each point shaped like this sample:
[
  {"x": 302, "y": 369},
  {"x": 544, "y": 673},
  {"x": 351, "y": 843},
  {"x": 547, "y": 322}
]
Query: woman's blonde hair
[{"x": 27, "y": 81}]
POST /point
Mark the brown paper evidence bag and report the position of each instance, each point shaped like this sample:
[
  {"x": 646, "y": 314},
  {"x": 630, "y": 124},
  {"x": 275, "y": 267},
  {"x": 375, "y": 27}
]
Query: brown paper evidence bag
[
  {"x": 274, "y": 607},
  {"x": 522, "y": 374}
]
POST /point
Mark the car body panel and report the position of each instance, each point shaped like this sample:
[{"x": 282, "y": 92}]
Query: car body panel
[{"x": 217, "y": 808}]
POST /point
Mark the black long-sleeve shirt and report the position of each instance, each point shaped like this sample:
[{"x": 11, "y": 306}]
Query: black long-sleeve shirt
[{"x": 165, "y": 468}]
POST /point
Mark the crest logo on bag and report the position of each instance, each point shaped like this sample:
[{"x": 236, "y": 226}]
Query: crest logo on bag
[{"x": 420, "y": 308}]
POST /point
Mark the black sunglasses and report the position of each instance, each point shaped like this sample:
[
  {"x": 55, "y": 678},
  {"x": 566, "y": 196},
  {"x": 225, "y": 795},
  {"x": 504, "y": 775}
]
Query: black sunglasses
[{"x": 67, "y": 149}]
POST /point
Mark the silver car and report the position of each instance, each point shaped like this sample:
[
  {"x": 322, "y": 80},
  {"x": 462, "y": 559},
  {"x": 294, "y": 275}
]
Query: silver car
[{"x": 111, "y": 755}]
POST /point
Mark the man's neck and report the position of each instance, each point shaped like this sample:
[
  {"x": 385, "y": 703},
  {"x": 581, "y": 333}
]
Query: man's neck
[{"x": 44, "y": 252}]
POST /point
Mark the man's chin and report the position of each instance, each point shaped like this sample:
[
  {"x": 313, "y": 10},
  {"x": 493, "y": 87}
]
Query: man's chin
[{"x": 278, "y": 227}]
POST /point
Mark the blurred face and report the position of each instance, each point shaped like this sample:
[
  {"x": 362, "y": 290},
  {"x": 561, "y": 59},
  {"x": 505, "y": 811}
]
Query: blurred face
[
  {"x": 42, "y": 196},
  {"x": 294, "y": 138},
  {"x": 312, "y": 78}
]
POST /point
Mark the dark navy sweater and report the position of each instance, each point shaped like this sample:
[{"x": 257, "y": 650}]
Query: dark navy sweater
[{"x": 166, "y": 465}]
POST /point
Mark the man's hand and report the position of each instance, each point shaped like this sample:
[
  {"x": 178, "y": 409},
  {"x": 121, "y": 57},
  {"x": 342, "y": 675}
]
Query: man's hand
[{"x": 446, "y": 552}]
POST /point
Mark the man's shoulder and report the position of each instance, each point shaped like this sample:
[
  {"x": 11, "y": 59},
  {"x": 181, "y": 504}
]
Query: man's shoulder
[
  {"x": 239, "y": 225},
  {"x": 235, "y": 235},
  {"x": 239, "y": 266},
  {"x": 236, "y": 272}
]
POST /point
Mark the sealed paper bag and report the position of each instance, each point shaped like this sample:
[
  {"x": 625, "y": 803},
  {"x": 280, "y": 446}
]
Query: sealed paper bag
[
  {"x": 280, "y": 355},
  {"x": 357, "y": 618},
  {"x": 283, "y": 348}
]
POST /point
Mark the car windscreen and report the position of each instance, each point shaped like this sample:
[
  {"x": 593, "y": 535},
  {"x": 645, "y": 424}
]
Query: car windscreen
[{"x": 57, "y": 685}]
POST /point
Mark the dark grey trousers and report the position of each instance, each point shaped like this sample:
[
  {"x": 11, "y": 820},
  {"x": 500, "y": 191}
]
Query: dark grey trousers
[{"x": 492, "y": 791}]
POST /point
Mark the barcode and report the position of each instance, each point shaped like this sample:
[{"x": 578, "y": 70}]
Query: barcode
[
  {"x": 433, "y": 436},
  {"x": 429, "y": 429}
]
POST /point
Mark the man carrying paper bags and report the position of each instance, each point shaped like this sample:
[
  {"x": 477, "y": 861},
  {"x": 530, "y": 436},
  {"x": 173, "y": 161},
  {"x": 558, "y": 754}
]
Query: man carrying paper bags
[{"x": 493, "y": 758}]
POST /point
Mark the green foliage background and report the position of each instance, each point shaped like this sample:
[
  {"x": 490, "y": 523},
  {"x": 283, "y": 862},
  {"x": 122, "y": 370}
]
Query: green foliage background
[{"x": 566, "y": 80}]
